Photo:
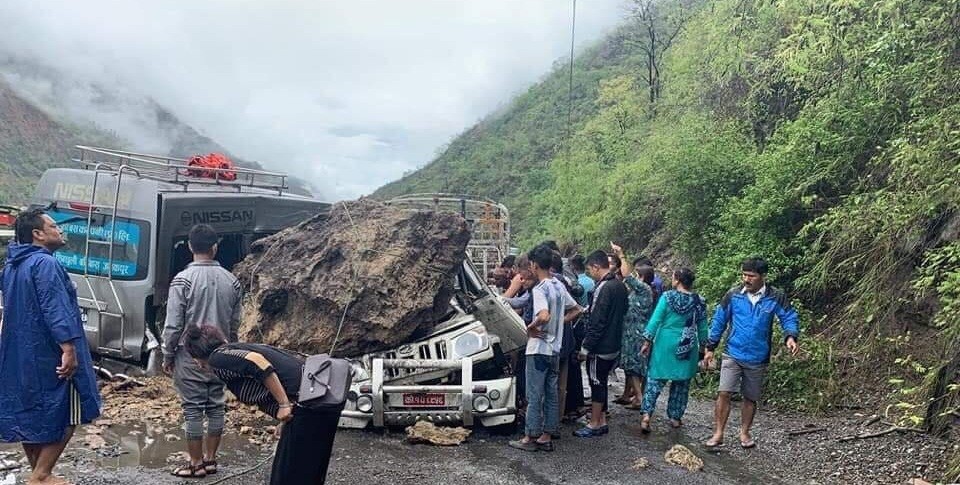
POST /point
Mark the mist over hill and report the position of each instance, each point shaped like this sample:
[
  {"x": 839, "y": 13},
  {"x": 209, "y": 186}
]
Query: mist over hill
[{"x": 44, "y": 113}]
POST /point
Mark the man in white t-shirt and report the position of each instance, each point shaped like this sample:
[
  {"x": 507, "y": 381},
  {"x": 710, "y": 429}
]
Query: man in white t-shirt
[{"x": 552, "y": 305}]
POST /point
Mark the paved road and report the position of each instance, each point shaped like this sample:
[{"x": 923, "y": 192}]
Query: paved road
[{"x": 384, "y": 457}]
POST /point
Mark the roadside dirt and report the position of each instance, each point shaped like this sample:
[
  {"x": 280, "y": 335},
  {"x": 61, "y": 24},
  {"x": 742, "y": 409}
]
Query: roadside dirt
[{"x": 154, "y": 400}]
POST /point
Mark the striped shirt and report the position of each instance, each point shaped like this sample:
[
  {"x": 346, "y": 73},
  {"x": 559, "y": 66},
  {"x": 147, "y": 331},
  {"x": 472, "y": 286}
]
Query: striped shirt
[{"x": 244, "y": 367}]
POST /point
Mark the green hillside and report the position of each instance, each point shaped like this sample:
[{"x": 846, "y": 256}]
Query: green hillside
[{"x": 823, "y": 135}]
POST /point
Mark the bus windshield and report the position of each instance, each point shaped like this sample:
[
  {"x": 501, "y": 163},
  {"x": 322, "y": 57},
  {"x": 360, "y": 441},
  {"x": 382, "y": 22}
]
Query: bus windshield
[{"x": 131, "y": 245}]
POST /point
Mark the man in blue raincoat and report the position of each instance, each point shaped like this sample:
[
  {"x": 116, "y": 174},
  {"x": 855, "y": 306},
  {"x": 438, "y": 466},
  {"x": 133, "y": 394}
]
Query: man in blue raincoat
[{"x": 47, "y": 381}]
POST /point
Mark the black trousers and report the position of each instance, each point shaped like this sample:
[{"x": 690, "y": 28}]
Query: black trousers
[
  {"x": 574, "y": 385},
  {"x": 306, "y": 443},
  {"x": 598, "y": 370}
]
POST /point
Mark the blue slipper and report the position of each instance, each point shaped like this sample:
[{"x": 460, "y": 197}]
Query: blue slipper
[{"x": 588, "y": 432}]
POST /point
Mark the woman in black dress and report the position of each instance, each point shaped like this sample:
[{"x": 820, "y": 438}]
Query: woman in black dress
[{"x": 270, "y": 379}]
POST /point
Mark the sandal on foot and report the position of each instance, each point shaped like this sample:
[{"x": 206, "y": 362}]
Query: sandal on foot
[
  {"x": 588, "y": 432},
  {"x": 190, "y": 471},
  {"x": 676, "y": 423},
  {"x": 544, "y": 445},
  {"x": 712, "y": 443},
  {"x": 210, "y": 467},
  {"x": 750, "y": 443},
  {"x": 524, "y": 445},
  {"x": 633, "y": 406},
  {"x": 645, "y": 426}
]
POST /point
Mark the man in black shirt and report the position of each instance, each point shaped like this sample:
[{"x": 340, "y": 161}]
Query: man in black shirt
[{"x": 604, "y": 335}]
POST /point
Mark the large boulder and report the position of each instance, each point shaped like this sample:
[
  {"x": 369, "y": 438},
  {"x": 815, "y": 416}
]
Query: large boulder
[{"x": 387, "y": 272}]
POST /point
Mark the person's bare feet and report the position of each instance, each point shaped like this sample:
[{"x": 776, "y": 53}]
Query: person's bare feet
[
  {"x": 713, "y": 442},
  {"x": 50, "y": 480}
]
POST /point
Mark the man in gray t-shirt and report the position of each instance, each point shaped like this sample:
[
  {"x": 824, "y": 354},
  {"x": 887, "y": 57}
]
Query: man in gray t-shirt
[
  {"x": 202, "y": 294},
  {"x": 552, "y": 305}
]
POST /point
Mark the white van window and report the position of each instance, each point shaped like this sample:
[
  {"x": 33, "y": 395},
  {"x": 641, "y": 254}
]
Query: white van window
[{"x": 131, "y": 244}]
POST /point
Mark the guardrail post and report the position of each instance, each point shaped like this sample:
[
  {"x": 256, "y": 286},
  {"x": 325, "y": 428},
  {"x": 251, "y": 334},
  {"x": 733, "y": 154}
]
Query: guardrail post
[
  {"x": 377, "y": 381},
  {"x": 466, "y": 401}
]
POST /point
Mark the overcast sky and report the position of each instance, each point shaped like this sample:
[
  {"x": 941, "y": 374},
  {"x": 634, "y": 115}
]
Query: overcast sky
[{"x": 346, "y": 94}]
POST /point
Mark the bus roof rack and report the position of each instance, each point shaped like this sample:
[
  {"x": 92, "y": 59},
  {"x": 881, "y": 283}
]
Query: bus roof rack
[{"x": 175, "y": 170}]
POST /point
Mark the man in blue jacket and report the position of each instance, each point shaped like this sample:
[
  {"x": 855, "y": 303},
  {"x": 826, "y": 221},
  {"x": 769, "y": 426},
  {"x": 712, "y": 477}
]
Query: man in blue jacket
[
  {"x": 749, "y": 310},
  {"x": 47, "y": 382}
]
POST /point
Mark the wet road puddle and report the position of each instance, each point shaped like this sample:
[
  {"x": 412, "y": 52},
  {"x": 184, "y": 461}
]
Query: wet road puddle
[{"x": 143, "y": 445}]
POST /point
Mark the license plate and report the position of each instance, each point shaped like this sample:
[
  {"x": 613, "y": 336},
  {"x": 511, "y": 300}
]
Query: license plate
[{"x": 425, "y": 400}]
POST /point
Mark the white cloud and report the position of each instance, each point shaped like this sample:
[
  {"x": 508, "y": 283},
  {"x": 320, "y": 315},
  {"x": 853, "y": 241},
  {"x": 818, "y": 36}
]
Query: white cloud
[{"x": 348, "y": 95}]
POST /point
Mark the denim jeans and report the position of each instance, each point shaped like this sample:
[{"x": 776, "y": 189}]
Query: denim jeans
[{"x": 543, "y": 408}]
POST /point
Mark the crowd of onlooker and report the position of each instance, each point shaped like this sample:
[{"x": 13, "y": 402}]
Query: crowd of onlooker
[{"x": 605, "y": 310}]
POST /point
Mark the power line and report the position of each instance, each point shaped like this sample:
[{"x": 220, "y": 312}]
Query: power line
[{"x": 573, "y": 31}]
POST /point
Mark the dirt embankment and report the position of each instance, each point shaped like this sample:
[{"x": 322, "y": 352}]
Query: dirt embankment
[{"x": 155, "y": 399}]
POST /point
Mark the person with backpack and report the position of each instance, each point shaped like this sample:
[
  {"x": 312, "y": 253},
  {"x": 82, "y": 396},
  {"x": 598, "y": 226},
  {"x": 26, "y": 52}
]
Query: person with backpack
[
  {"x": 674, "y": 340},
  {"x": 270, "y": 379},
  {"x": 748, "y": 309}
]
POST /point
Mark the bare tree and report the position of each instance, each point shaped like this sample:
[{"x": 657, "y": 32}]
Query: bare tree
[{"x": 659, "y": 22}]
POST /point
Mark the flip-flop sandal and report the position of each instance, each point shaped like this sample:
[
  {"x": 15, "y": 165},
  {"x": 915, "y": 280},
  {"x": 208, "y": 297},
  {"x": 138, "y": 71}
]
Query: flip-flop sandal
[
  {"x": 748, "y": 444},
  {"x": 676, "y": 423},
  {"x": 191, "y": 471},
  {"x": 635, "y": 407},
  {"x": 210, "y": 467},
  {"x": 711, "y": 443},
  {"x": 645, "y": 427}
]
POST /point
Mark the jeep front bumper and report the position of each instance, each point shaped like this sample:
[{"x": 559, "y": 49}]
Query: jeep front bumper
[{"x": 492, "y": 402}]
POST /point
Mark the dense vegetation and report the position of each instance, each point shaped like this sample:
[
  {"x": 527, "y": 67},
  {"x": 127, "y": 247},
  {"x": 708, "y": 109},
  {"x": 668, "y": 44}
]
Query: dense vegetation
[{"x": 821, "y": 134}]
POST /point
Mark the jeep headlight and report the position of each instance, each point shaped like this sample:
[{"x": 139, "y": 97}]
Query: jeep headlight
[
  {"x": 364, "y": 404},
  {"x": 469, "y": 343}
]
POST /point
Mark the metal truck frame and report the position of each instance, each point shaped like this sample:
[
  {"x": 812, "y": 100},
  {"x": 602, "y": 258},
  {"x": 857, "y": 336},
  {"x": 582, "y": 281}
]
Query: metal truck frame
[{"x": 489, "y": 223}]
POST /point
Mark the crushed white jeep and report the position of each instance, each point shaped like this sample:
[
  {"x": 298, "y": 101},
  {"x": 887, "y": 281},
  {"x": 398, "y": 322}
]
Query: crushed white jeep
[{"x": 459, "y": 373}]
